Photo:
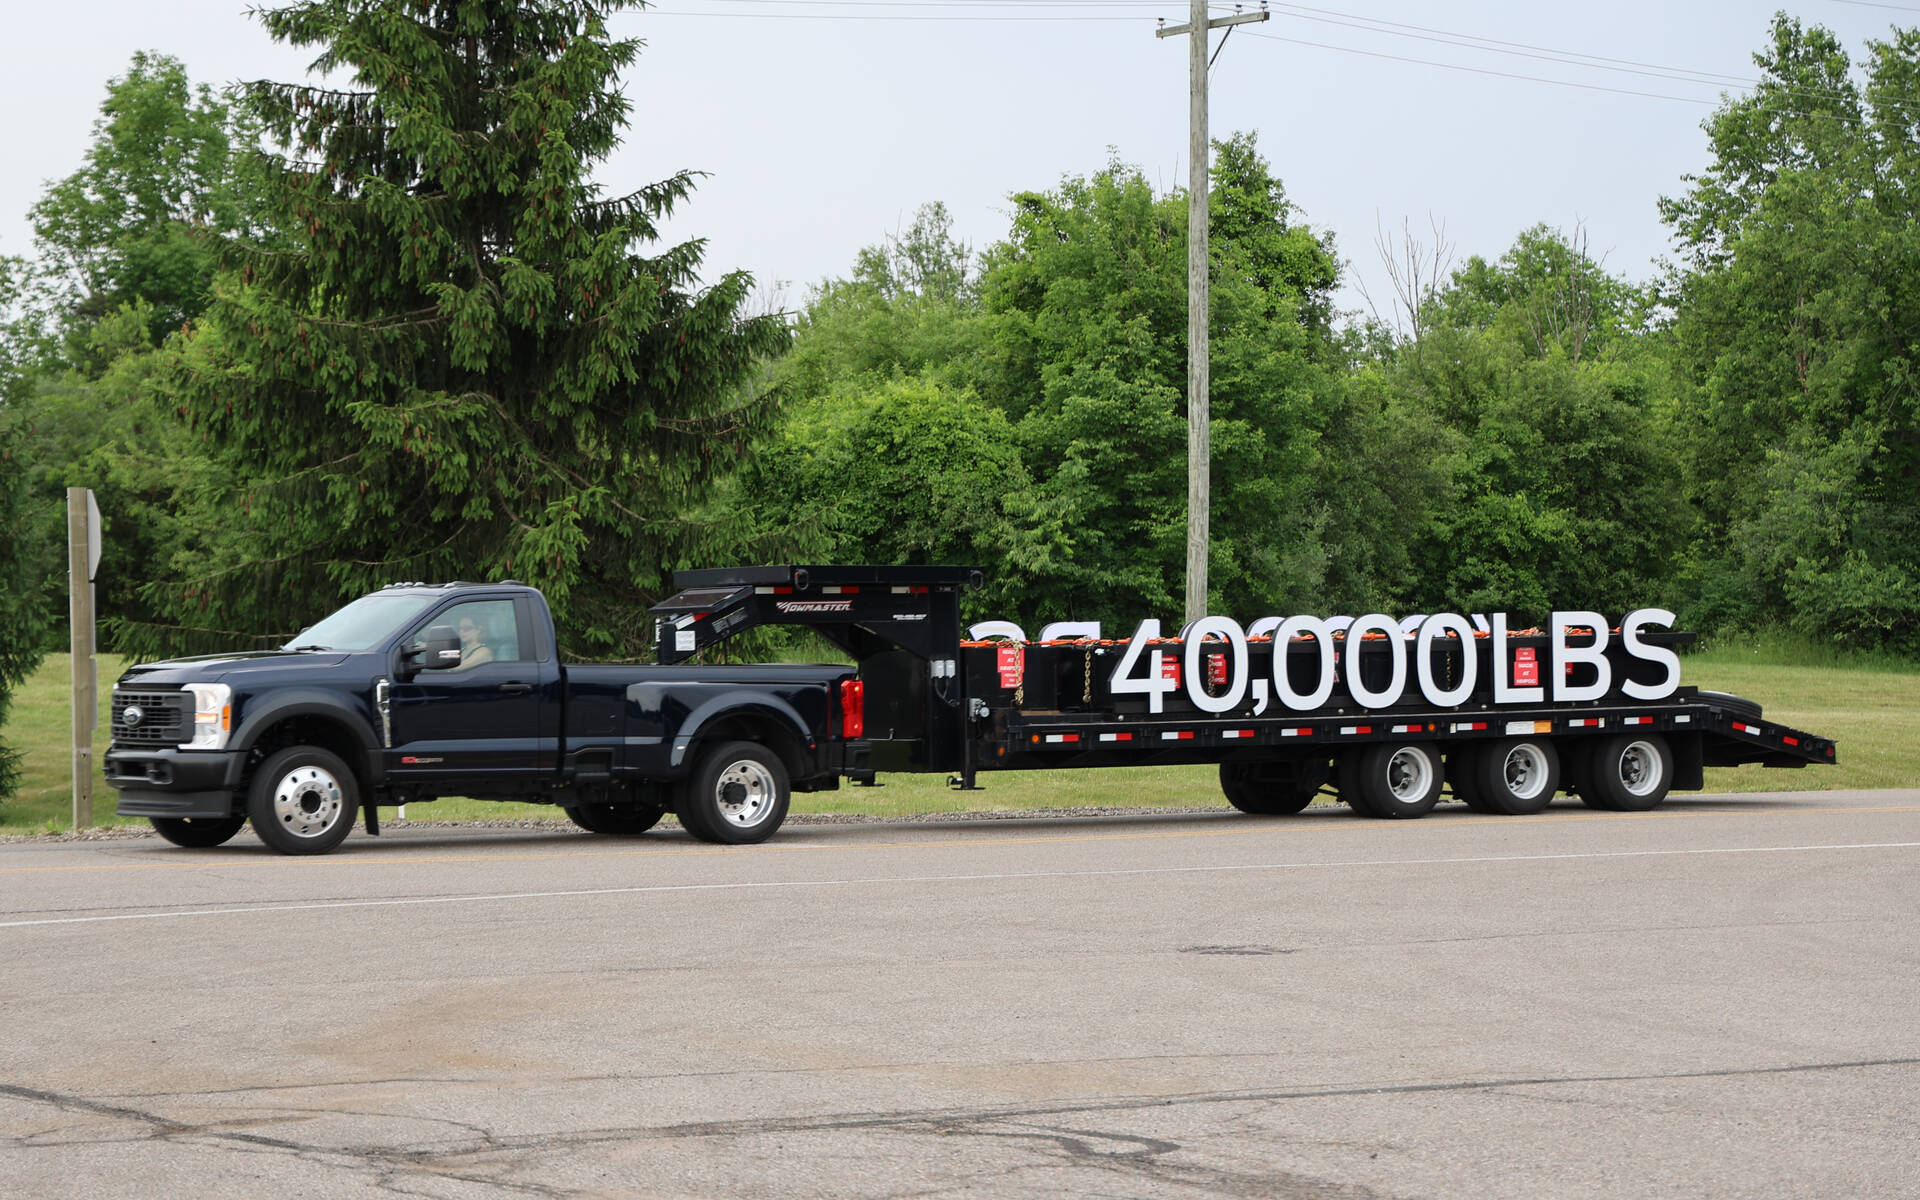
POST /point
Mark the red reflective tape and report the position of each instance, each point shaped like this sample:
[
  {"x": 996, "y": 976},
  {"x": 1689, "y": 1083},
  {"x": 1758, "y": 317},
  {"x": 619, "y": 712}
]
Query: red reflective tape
[{"x": 1791, "y": 741}]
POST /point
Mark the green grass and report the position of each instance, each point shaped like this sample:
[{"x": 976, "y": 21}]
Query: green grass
[{"x": 1866, "y": 705}]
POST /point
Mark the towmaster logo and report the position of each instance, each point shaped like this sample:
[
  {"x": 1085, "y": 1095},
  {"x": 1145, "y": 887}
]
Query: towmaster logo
[{"x": 814, "y": 606}]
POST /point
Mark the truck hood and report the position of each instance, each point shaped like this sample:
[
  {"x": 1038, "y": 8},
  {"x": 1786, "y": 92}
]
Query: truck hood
[{"x": 212, "y": 668}]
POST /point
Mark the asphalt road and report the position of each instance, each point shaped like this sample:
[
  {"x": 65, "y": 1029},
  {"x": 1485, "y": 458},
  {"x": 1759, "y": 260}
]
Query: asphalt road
[{"x": 1718, "y": 999}]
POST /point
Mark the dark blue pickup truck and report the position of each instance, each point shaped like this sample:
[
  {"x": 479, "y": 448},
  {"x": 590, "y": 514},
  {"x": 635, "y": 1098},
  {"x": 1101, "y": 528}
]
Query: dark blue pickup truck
[{"x": 419, "y": 691}]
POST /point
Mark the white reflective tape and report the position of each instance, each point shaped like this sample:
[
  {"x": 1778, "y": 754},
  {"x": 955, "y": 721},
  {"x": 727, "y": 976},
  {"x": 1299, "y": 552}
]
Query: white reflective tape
[
  {"x": 1409, "y": 729},
  {"x": 760, "y": 591},
  {"x": 1519, "y": 727},
  {"x": 1295, "y": 732},
  {"x": 1683, "y": 720}
]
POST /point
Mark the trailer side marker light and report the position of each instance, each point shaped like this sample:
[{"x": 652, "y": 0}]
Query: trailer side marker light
[
  {"x": 1238, "y": 733},
  {"x": 1296, "y": 733},
  {"x": 1468, "y": 726},
  {"x": 1354, "y": 729},
  {"x": 1791, "y": 741},
  {"x": 1116, "y": 737},
  {"x": 1637, "y": 721},
  {"x": 1056, "y": 738},
  {"x": 1185, "y": 735}
]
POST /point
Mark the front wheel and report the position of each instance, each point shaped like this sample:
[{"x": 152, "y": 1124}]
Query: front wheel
[
  {"x": 198, "y": 833},
  {"x": 302, "y": 800},
  {"x": 737, "y": 795}
]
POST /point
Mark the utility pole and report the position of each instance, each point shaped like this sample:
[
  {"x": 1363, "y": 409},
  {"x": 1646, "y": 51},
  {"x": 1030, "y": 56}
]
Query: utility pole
[
  {"x": 83, "y": 562},
  {"x": 1199, "y": 418}
]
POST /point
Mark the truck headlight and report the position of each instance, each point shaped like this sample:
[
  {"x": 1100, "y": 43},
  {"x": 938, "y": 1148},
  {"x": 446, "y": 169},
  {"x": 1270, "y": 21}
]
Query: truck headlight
[{"x": 212, "y": 716}]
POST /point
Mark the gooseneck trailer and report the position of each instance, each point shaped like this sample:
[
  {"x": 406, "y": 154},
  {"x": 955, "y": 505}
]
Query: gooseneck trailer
[{"x": 383, "y": 703}]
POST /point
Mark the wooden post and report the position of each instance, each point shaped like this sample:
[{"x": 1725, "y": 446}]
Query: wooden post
[{"x": 80, "y": 560}]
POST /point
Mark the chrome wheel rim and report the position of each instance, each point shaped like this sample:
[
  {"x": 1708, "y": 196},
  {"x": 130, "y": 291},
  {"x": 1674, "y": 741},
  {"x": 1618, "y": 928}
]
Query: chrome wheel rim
[
  {"x": 1409, "y": 775},
  {"x": 744, "y": 793},
  {"x": 1640, "y": 769},
  {"x": 307, "y": 801},
  {"x": 1526, "y": 771}
]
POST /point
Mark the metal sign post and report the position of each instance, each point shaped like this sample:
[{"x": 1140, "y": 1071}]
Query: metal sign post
[{"x": 83, "y": 562}]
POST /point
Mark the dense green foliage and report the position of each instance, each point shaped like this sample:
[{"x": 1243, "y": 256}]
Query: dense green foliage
[
  {"x": 1797, "y": 314},
  {"x": 457, "y": 362}
]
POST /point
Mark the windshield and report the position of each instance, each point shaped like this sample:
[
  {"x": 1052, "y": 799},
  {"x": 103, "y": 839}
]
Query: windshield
[{"x": 365, "y": 623}]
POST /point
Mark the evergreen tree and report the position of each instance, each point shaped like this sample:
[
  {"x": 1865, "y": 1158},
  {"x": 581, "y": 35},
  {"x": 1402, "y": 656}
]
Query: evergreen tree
[{"x": 455, "y": 360}]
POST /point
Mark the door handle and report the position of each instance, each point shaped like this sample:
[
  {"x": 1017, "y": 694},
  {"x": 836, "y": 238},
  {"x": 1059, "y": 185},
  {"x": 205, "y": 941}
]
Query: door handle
[{"x": 515, "y": 685}]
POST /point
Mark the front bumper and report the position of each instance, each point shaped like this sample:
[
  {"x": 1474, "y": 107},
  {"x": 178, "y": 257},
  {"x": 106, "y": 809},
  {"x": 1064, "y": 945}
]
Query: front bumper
[{"x": 175, "y": 783}]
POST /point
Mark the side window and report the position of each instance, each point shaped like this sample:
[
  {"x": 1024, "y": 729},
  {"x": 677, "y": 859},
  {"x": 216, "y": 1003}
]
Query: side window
[{"x": 488, "y": 632}]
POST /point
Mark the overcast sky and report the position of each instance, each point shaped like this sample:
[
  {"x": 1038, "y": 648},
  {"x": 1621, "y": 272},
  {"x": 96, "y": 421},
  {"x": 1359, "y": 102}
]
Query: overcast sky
[{"x": 823, "y": 126}]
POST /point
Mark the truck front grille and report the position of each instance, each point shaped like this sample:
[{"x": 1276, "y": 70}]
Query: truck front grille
[{"x": 160, "y": 718}]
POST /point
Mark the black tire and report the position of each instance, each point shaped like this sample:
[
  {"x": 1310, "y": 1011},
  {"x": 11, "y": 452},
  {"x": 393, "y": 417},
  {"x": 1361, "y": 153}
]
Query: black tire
[
  {"x": 1397, "y": 780},
  {"x": 1517, "y": 776},
  {"x": 617, "y": 820},
  {"x": 1462, "y": 762},
  {"x": 1265, "y": 791},
  {"x": 1629, "y": 772},
  {"x": 1739, "y": 706},
  {"x": 303, "y": 800},
  {"x": 198, "y": 833},
  {"x": 737, "y": 795}
]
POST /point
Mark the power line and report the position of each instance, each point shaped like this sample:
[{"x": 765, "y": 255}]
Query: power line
[{"x": 757, "y": 10}]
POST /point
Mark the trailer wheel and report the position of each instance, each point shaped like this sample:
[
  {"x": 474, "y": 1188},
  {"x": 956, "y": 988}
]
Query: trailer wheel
[
  {"x": 738, "y": 794},
  {"x": 1264, "y": 793},
  {"x": 198, "y": 833},
  {"x": 302, "y": 801},
  {"x": 1462, "y": 770},
  {"x": 618, "y": 820},
  {"x": 1629, "y": 773},
  {"x": 1396, "y": 780},
  {"x": 1517, "y": 776}
]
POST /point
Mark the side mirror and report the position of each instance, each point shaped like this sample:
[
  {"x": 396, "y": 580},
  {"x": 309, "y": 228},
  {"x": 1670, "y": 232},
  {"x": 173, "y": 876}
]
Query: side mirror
[
  {"x": 436, "y": 651},
  {"x": 442, "y": 648}
]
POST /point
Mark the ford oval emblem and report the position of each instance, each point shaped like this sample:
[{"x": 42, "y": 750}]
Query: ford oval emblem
[{"x": 132, "y": 715}]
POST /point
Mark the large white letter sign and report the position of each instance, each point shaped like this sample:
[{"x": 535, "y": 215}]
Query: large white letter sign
[
  {"x": 1434, "y": 627},
  {"x": 1630, "y": 638},
  {"x": 1316, "y": 629},
  {"x": 1503, "y": 690},
  {"x": 1396, "y": 645},
  {"x": 1153, "y": 685},
  {"x": 1563, "y": 656},
  {"x": 1196, "y": 636}
]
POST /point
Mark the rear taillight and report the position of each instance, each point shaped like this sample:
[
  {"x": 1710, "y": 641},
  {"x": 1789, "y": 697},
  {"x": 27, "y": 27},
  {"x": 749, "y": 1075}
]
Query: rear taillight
[{"x": 853, "y": 708}]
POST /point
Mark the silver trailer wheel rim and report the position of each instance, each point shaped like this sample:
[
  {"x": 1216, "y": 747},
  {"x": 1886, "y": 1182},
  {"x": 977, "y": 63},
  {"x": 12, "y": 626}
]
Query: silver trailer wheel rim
[
  {"x": 307, "y": 801},
  {"x": 745, "y": 793},
  {"x": 1640, "y": 769},
  {"x": 1409, "y": 775},
  {"x": 1526, "y": 771}
]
